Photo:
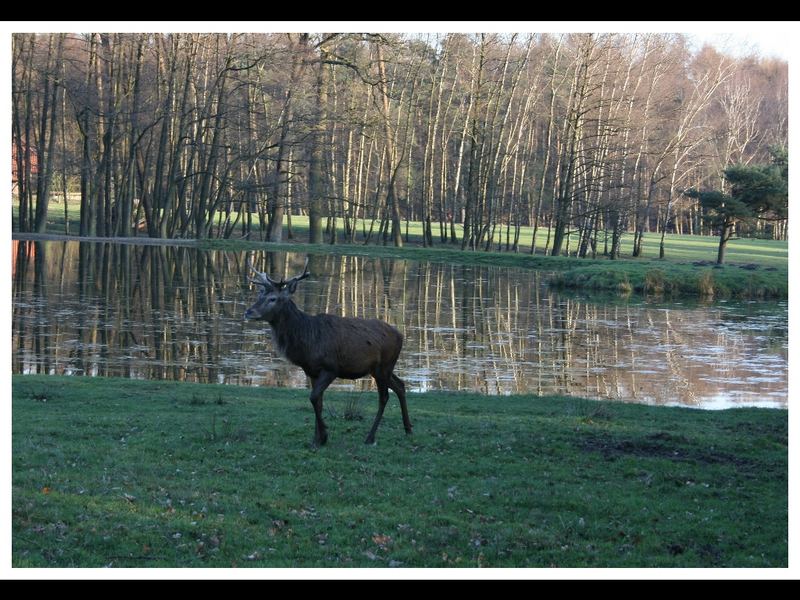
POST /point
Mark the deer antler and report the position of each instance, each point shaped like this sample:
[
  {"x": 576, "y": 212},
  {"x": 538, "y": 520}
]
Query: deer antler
[
  {"x": 267, "y": 281},
  {"x": 261, "y": 278},
  {"x": 294, "y": 280}
]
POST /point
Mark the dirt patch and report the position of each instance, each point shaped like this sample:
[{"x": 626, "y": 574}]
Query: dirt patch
[
  {"x": 657, "y": 445},
  {"x": 778, "y": 434}
]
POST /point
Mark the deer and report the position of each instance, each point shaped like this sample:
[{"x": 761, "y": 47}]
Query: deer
[{"x": 327, "y": 347}]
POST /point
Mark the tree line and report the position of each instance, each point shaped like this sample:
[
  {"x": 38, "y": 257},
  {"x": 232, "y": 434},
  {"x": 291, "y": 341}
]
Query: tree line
[{"x": 582, "y": 137}]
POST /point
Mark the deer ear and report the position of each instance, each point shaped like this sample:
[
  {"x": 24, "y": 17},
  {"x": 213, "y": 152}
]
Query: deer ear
[{"x": 292, "y": 286}]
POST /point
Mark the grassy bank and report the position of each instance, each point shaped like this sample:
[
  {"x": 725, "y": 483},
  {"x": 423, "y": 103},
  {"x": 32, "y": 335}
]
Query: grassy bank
[
  {"x": 754, "y": 280},
  {"x": 111, "y": 472},
  {"x": 749, "y": 281},
  {"x": 678, "y": 248},
  {"x": 757, "y": 269},
  {"x": 768, "y": 279}
]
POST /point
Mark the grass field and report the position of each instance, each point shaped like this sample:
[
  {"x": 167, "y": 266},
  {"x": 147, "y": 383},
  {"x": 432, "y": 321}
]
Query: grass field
[
  {"x": 122, "y": 473},
  {"x": 681, "y": 248},
  {"x": 653, "y": 277},
  {"x": 755, "y": 269}
]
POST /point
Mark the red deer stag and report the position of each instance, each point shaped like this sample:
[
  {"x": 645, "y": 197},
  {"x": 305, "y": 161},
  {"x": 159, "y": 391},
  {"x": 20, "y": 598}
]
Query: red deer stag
[{"x": 327, "y": 346}]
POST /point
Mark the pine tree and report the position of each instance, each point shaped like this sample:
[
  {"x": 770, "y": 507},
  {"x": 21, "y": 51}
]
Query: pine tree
[{"x": 756, "y": 192}]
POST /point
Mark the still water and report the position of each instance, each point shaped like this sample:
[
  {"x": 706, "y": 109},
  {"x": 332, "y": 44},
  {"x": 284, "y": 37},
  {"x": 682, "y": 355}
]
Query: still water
[{"x": 177, "y": 313}]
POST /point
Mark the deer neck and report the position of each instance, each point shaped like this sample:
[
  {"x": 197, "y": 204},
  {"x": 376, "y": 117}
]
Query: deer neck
[{"x": 288, "y": 330}]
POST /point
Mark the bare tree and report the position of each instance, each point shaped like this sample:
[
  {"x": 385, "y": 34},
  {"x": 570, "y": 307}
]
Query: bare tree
[{"x": 578, "y": 136}]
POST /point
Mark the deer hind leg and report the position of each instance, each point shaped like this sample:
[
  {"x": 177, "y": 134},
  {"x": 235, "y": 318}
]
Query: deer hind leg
[
  {"x": 383, "y": 398},
  {"x": 318, "y": 386},
  {"x": 399, "y": 388}
]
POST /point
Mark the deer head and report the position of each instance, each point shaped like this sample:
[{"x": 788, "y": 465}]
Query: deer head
[{"x": 274, "y": 296}]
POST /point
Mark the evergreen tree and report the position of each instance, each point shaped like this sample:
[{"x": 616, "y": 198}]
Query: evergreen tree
[{"x": 756, "y": 192}]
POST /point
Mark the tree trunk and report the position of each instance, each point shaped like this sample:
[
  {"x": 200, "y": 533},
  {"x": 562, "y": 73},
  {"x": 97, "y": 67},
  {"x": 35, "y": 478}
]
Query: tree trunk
[
  {"x": 392, "y": 203},
  {"x": 316, "y": 180},
  {"x": 548, "y": 145},
  {"x": 572, "y": 124},
  {"x": 725, "y": 236},
  {"x": 47, "y": 133},
  {"x": 279, "y": 195}
]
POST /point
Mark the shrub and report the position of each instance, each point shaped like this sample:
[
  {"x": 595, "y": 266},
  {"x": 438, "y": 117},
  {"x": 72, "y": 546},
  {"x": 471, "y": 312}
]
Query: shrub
[
  {"x": 705, "y": 284},
  {"x": 654, "y": 282}
]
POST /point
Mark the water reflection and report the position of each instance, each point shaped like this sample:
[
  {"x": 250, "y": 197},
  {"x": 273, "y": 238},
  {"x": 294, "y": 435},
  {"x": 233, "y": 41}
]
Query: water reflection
[{"x": 165, "y": 312}]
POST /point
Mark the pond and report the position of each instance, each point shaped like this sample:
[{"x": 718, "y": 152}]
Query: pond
[{"x": 158, "y": 312}]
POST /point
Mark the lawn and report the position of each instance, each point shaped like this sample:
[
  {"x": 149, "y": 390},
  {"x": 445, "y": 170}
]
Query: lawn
[
  {"x": 755, "y": 269},
  {"x": 126, "y": 473},
  {"x": 670, "y": 278},
  {"x": 681, "y": 248}
]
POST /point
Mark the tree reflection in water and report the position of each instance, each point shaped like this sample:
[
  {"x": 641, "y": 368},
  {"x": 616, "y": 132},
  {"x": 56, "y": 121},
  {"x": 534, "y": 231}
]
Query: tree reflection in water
[{"x": 163, "y": 312}]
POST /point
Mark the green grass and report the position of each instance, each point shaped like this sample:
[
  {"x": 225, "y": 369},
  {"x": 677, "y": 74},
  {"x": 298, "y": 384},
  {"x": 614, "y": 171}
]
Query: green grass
[
  {"x": 756, "y": 268},
  {"x": 653, "y": 277},
  {"x": 681, "y": 248},
  {"x": 674, "y": 279},
  {"x": 112, "y": 472}
]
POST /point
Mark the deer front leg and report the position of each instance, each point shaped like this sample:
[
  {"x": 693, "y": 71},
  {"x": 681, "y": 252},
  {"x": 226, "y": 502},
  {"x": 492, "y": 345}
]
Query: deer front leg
[
  {"x": 383, "y": 397},
  {"x": 318, "y": 386}
]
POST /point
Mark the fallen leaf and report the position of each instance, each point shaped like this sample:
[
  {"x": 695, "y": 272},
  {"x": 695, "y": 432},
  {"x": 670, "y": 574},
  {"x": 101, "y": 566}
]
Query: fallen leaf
[{"x": 382, "y": 540}]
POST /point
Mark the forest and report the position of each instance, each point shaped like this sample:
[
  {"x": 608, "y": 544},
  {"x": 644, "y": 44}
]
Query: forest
[{"x": 582, "y": 137}]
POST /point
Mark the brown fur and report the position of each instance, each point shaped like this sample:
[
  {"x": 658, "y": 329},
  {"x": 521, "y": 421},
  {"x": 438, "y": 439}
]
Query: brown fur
[{"x": 327, "y": 347}]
